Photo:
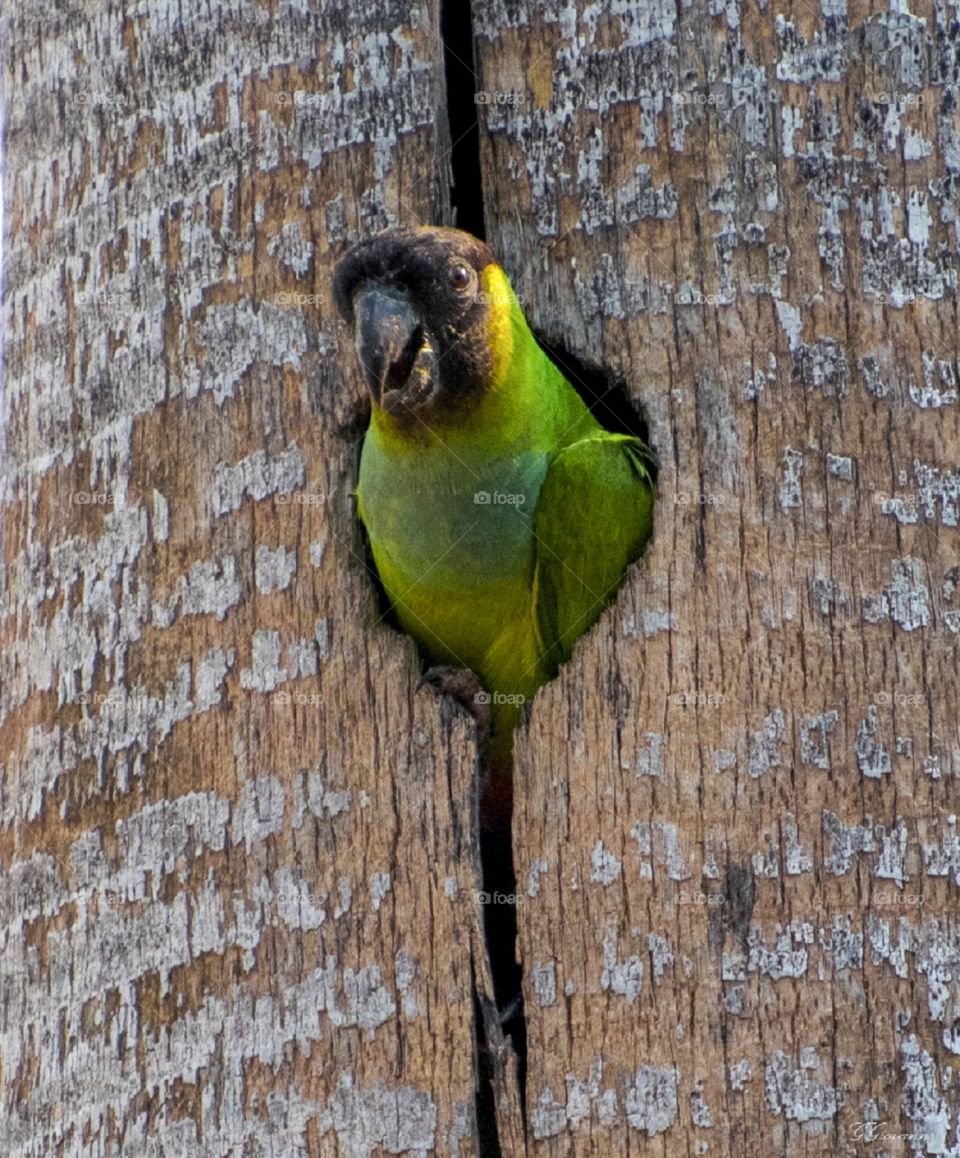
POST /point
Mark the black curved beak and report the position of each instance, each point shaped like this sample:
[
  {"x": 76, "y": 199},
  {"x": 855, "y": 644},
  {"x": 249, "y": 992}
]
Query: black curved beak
[{"x": 389, "y": 335}]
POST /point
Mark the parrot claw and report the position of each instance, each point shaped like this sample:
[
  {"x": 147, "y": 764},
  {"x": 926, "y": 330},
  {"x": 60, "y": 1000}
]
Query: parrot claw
[{"x": 462, "y": 685}]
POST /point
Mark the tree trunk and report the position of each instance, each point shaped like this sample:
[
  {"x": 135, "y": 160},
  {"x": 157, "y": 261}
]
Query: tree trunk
[
  {"x": 239, "y": 907},
  {"x": 736, "y": 825},
  {"x": 240, "y": 903}
]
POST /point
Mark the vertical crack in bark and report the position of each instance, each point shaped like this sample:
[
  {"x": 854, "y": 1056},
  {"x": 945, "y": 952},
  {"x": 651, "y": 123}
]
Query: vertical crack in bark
[
  {"x": 488, "y": 1135},
  {"x": 499, "y": 1024},
  {"x": 499, "y": 905},
  {"x": 462, "y": 88},
  {"x": 501, "y": 1031}
]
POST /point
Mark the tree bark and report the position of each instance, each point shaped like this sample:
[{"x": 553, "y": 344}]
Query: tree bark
[
  {"x": 736, "y": 832},
  {"x": 239, "y": 895},
  {"x": 239, "y": 902}
]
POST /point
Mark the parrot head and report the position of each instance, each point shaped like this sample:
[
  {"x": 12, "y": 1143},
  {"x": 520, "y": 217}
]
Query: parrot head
[{"x": 421, "y": 309}]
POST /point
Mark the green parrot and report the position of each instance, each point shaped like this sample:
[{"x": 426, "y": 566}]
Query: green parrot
[{"x": 501, "y": 515}]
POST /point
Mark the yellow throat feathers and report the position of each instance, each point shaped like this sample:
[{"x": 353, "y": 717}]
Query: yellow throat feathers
[{"x": 501, "y": 301}]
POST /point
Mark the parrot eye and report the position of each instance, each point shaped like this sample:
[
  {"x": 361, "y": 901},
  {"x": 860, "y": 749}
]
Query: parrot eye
[{"x": 459, "y": 276}]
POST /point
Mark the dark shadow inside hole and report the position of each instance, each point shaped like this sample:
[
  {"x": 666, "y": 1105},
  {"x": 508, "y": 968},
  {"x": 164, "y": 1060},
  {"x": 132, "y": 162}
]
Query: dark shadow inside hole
[
  {"x": 353, "y": 430},
  {"x": 385, "y": 612},
  {"x": 466, "y": 191},
  {"x": 485, "y": 1100}
]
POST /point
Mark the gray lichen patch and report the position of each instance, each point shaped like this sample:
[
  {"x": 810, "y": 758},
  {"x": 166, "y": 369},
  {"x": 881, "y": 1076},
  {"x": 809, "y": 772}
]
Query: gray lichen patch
[
  {"x": 873, "y": 759},
  {"x": 128, "y": 718},
  {"x": 815, "y": 735},
  {"x": 622, "y": 977},
  {"x": 258, "y": 475},
  {"x": 791, "y": 490},
  {"x": 274, "y": 569},
  {"x": 91, "y": 625},
  {"x": 787, "y": 957},
  {"x": 651, "y": 1102},
  {"x": 793, "y": 1093},
  {"x": 765, "y": 744},
  {"x": 314, "y": 794},
  {"x": 543, "y": 979},
  {"x": 234, "y": 337},
  {"x": 658, "y": 843},
  {"x": 398, "y": 1120},
  {"x": 291, "y": 248},
  {"x": 935, "y": 497},
  {"x": 605, "y": 867},
  {"x": 210, "y": 587},
  {"x": 269, "y": 669},
  {"x": 923, "y": 1099},
  {"x": 906, "y": 600}
]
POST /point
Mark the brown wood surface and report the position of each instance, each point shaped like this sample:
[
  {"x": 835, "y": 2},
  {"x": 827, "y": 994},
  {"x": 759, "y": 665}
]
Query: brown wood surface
[
  {"x": 736, "y": 832},
  {"x": 239, "y": 894}
]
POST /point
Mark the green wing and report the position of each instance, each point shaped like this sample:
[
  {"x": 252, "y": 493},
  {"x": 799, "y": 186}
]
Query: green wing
[{"x": 593, "y": 518}]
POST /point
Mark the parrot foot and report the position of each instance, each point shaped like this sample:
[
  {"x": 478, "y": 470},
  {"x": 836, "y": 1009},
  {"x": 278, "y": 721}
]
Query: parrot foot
[{"x": 463, "y": 686}]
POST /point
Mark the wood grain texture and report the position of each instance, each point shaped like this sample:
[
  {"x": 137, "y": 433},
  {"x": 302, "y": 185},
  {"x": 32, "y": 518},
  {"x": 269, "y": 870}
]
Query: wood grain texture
[
  {"x": 238, "y": 906},
  {"x": 736, "y": 809},
  {"x": 238, "y": 902}
]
